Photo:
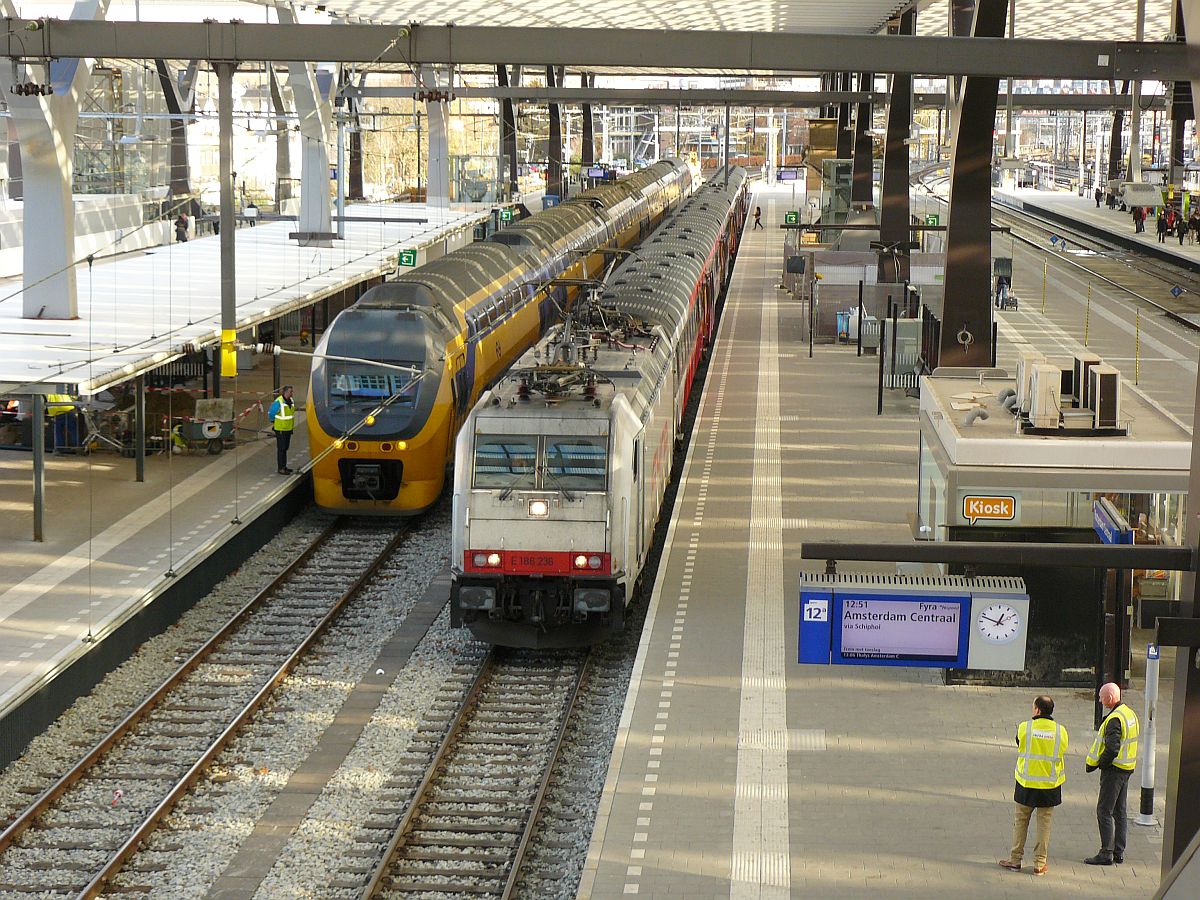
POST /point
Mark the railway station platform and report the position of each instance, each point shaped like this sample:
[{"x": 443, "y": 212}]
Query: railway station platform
[
  {"x": 120, "y": 557},
  {"x": 102, "y": 576},
  {"x": 1082, "y": 214},
  {"x": 738, "y": 773}
]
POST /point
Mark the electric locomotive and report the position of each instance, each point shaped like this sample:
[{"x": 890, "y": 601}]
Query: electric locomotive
[
  {"x": 562, "y": 467},
  {"x": 396, "y": 374}
]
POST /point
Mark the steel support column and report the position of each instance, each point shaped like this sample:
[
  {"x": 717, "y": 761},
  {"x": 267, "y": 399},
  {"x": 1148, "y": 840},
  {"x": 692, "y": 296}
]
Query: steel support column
[
  {"x": 587, "y": 142},
  {"x": 894, "y": 209},
  {"x": 554, "y": 140},
  {"x": 966, "y": 338},
  {"x": 139, "y": 428},
  {"x": 1182, "y": 820},
  {"x": 862, "y": 180},
  {"x": 437, "y": 182},
  {"x": 45, "y": 127},
  {"x": 283, "y": 142},
  {"x": 725, "y": 154},
  {"x": 1009, "y": 141},
  {"x": 508, "y": 129},
  {"x": 1135, "y": 114},
  {"x": 1114, "y": 144},
  {"x": 38, "y": 432},
  {"x": 179, "y": 95},
  {"x": 845, "y": 132},
  {"x": 228, "y": 367}
]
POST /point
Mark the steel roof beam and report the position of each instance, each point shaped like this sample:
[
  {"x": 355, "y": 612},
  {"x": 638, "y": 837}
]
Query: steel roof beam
[
  {"x": 593, "y": 48},
  {"x": 763, "y": 98}
]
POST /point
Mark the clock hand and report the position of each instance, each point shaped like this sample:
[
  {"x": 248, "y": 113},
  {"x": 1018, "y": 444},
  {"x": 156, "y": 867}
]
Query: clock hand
[{"x": 999, "y": 621}]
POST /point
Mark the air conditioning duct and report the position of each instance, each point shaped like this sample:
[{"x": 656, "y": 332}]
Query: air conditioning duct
[
  {"x": 1079, "y": 383},
  {"x": 1025, "y": 363}
]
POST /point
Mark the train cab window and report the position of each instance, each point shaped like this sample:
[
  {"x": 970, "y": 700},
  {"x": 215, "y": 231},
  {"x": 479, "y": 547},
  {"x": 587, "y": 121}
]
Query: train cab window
[
  {"x": 505, "y": 461},
  {"x": 575, "y": 462},
  {"x": 360, "y": 385}
]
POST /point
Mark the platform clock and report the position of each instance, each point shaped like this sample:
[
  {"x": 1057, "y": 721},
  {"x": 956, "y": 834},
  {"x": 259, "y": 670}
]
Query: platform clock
[{"x": 998, "y": 623}]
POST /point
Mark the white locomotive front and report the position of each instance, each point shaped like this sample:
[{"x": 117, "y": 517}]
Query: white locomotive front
[{"x": 561, "y": 467}]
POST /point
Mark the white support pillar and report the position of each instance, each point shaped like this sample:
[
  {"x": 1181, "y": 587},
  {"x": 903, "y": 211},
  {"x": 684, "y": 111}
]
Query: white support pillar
[
  {"x": 45, "y": 127},
  {"x": 1135, "y": 111},
  {"x": 437, "y": 182},
  {"x": 312, "y": 88}
]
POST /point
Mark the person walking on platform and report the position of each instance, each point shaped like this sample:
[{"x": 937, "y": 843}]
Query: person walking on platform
[
  {"x": 1139, "y": 220},
  {"x": 1162, "y": 227},
  {"x": 1099, "y": 195},
  {"x": 283, "y": 419},
  {"x": 181, "y": 229},
  {"x": 1181, "y": 228},
  {"x": 758, "y": 217},
  {"x": 1041, "y": 771},
  {"x": 1114, "y": 752}
]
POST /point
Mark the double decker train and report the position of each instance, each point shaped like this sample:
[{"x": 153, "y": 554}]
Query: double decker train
[
  {"x": 396, "y": 374},
  {"x": 561, "y": 468}
]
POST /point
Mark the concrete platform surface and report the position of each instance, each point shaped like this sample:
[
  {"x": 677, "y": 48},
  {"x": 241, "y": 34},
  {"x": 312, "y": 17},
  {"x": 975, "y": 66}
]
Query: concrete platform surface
[{"x": 738, "y": 773}]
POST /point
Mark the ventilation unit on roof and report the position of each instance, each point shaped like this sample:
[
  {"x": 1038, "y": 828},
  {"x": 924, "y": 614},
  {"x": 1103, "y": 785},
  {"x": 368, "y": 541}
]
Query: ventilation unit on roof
[
  {"x": 1079, "y": 382},
  {"x": 1045, "y": 384},
  {"x": 1025, "y": 363},
  {"x": 1104, "y": 395}
]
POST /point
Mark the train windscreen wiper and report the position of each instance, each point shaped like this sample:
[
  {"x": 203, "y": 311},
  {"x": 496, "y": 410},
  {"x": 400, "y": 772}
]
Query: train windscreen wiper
[{"x": 567, "y": 495}]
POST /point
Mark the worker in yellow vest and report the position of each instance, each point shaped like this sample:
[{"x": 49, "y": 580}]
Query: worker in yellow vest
[
  {"x": 1041, "y": 771},
  {"x": 1114, "y": 753},
  {"x": 283, "y": 420}
]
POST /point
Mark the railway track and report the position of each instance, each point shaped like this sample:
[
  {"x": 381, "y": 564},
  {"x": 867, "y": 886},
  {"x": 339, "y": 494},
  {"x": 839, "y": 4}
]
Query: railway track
[
  {"x": 469, "y": 823},
  {"x": 80, "y": 832}
]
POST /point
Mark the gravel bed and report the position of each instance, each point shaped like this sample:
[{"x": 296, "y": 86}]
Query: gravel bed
[
  {"x": 93, "y": 715},
  {"x": 250, "y": 772},
  {"x": 383, "y": 764}
]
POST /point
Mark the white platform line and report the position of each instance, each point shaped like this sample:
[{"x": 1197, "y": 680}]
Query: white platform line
[{"x": 760, "y": 866}]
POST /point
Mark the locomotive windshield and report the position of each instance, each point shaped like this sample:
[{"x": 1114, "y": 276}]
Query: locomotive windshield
[
  {"x": 505, "y": 461},
  {"x": 370, "y": 385},
  {"x": 522, "y": 461}
]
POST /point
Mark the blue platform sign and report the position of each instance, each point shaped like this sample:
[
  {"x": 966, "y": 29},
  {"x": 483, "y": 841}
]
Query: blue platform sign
[
  {"x": 1152, "y": 651},
  {"x": 1176, "y": 292},
  {"x": 1109, "y": 524}
]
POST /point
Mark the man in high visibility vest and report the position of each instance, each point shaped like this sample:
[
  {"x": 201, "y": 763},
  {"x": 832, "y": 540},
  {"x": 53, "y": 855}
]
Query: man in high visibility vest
[
  {"x": 1041, "y": 771},
  {"x": 1114, "y": 753},
  {"x": 283, "y": 419}
]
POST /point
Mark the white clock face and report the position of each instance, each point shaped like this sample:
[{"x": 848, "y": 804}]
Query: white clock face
[{"x": 999, "y": 623}]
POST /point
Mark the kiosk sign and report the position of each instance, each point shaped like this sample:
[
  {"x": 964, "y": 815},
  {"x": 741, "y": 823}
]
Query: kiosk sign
[{"x": 1001, "y": 508}]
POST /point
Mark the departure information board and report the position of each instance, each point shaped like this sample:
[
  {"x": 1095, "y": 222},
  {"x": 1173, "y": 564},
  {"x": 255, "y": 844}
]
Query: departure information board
[
  {"x": 945, "y": 621},
  {"x": 871, "y": 629}
]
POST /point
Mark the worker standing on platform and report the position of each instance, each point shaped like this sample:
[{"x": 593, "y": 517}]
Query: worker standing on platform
[
  {"x": 758, "y": 217},
  {"x": 181, "y": 228},
  {"x": 283, "y": 419},
  {"x": 1041, "y": 771},
  {"x": 1114, "y": 753}
]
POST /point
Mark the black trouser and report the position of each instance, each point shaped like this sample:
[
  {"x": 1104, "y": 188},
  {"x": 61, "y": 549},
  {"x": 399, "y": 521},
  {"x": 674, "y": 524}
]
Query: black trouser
[
  {"x": 1110, "y": 810},
  {"x": 283, "y": 440}
]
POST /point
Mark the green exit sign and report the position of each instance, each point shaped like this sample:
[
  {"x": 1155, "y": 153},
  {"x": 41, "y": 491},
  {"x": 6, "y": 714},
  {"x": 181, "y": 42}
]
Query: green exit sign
[
  {"x": 791, "y": 218},
  {"x": 506, "y": 214},
  {"x": 407, "y": 258},
  {"x": 933, "y": 219}
]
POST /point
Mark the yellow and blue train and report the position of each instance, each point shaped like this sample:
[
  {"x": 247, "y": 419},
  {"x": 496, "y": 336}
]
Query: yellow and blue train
[{"x": 396, "y": 374}]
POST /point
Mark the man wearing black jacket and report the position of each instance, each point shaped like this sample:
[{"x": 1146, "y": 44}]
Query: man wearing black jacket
[{"x": 1114, "y": 752}]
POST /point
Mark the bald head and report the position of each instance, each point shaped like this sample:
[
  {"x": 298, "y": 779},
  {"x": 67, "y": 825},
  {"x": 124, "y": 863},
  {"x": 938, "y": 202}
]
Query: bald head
[{"x": 1110, "y": 695}]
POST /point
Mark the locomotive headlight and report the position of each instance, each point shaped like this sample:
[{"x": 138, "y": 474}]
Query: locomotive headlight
[
  {"x": 593, "y": 562},
  {"x": 338, "y": 444},
  {"x": 480, "y": 559},
  {"x": 581, "y": 561},
  {"x": 493, "y": 559},
  {"x": 401, "y": 445},
  {"x": 539, "y": 509},
  {"x": 369, "y": 420}
]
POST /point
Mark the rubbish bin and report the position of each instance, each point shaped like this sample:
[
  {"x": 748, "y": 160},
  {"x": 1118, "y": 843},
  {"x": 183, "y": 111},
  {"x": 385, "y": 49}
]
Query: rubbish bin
[{"x": 549, "y": 200}]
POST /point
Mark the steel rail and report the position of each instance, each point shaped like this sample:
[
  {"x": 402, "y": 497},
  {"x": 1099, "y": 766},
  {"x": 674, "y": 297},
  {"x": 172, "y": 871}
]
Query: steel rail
[
  {"x": 106, "y": 743},
  {"x": 152, "y": 821},
  {"x": 1083, "y": 239},
  {"x": 540, "y": 798},
  {"x": 448, "y": 741}
]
